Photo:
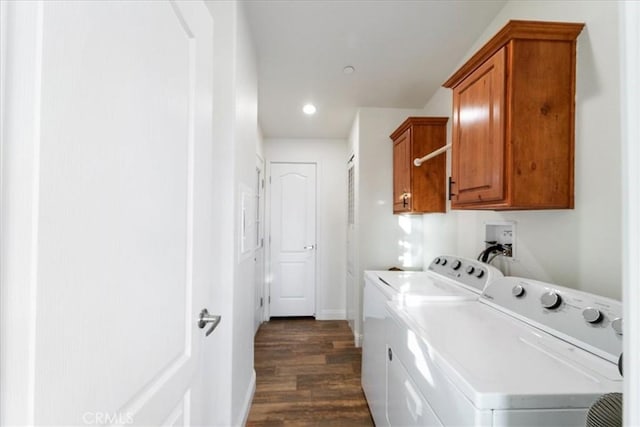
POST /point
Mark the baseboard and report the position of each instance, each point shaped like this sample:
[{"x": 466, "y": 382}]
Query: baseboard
[
  {"x": 331, "y": 315},
  {"x": 246, "y": 408},
  {"x": 357, "y": 340}
]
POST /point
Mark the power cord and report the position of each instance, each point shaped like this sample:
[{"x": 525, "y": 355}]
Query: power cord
[
  {"x": 497, "y": 248},
  {"x": 488, "y": 242},
  {"x": 494, "y": 250}
]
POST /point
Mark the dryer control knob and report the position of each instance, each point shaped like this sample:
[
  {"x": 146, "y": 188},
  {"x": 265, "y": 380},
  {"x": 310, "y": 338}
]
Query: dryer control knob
[
  {"x": 437, "y": 260},
  {"x": 616, "y": 324},
  {"x": 470, "y": 269},
  {"x": 479, "y": 273},
  {"x": 592, "y": 315},
  {"x": 550, "y": 300},
  {"x": 517, "y": 291},
  {"x": 444, "y": 261},
  {"x": 456, "y": 264}
]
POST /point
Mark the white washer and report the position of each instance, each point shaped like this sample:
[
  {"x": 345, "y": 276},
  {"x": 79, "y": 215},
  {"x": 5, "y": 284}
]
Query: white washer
[
  {"x": 527, "y": 353},
  {"x": 448, "y": 279}
]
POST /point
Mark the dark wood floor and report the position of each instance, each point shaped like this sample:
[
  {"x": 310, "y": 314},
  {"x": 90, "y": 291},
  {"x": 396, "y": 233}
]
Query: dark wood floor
[{"x": 308, "y": 374}]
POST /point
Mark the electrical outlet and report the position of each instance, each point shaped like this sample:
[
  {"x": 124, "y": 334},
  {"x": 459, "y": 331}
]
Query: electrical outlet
[{"x": 503, "y": 233}]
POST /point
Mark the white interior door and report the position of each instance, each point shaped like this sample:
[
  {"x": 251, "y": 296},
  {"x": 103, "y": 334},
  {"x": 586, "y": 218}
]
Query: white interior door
[
  {"x": 293, "y": 239},
  {"x": 106, "y": 114}
]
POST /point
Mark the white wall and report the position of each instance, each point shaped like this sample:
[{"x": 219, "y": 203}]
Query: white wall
[
  {"x": 386, "y": 239},
  {"x": 579, "y": 248},
  {"x": 246, "y": 144},
  {"x": 382, "y": 239},
  {"x": 228, "y": 368},
  {"x": 331, "y": 159}
]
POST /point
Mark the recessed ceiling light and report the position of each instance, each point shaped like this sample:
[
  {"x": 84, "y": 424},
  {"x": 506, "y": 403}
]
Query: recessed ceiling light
[
  {"x": 309, "y": 109},
  {"x": 348, "y": 69}
]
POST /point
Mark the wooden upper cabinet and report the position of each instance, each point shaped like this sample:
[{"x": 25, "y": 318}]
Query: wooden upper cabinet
[
  {"x": 513, "y": 120},
  {"x": 402, "y": 172},
  {"x": 419, "y": 189}
]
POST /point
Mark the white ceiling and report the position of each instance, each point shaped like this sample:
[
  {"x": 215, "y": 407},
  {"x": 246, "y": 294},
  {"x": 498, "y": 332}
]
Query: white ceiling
[{"x": 402, "y": 51}]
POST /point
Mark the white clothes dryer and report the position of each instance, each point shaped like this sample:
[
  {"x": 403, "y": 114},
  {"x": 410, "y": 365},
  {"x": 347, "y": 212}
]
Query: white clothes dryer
[{"x": 527, "y": 353}]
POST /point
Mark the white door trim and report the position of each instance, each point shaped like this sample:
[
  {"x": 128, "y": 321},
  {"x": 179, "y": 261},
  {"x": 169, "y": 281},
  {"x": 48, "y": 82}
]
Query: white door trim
[
  {"x": 26, "y": 129},
  {"x": 630, "y": 90},
  {"x": 260, "y": 250}
]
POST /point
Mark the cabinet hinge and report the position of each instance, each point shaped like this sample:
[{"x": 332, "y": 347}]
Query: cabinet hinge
[
  {"x": 269, "y": 299},
  {"x": 451, "y": 182},
  {"x": 261, "y": 301},
  {"x": 269, "y": 179},
  {"x": 262, "y": 183}
]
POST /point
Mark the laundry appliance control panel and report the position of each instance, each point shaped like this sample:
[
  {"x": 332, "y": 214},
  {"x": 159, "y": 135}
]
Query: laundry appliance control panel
[
  {"x": 589, "y": 321},
  {"x": 471, "y": 273}
]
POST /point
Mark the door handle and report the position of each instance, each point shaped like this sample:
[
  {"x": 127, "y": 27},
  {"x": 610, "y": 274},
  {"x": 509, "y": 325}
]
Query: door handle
[
  {"x": 310, "y": 247},
  {"x": 205, "y": 318}
]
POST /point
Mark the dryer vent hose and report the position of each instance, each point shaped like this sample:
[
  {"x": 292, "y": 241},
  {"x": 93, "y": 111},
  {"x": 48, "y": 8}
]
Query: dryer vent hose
[{"x": 606, "y": 411}]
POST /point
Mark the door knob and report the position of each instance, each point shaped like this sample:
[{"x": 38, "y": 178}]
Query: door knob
[
  {"x": 310, "y": 247},
  {"x": 206, "y": 318}
]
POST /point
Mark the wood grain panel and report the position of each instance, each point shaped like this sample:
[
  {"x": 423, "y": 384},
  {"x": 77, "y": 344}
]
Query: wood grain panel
[
  {"x": 308, "y": 374},
  {"x": 514, "y": 120},
  {"x": 478, "y": 137},
  {"x": 428, "y": 181},
  {"x": 425, "y": 185},
  {"x": 516, "y": 30},
  {"x": 542, "y": 123},
  {"x": 402, "y": 173}
]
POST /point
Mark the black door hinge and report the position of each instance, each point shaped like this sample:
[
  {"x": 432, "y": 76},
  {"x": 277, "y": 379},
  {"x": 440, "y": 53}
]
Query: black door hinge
[{"x": 451, "y": 182}]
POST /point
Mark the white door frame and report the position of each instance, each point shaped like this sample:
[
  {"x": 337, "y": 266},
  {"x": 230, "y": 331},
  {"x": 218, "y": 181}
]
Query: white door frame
[
  {"x": 630, "y": 90},
  {"x": 260, "y": 234},
  {"x": 268, "y": 229},
  {"x": 352, "y": 250},
  {"x": 267, "y": 243}
]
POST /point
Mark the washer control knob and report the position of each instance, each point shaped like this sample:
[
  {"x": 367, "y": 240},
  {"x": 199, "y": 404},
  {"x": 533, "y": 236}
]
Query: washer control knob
[
  {"x": 470, "y": 269},
  {"x": 592, "y": 315},
  {"x": 444, "y": 261},
  {"x": 616, "y": 324},
  {"x": 479, "y": 273},
  {"x": 550, "y": 300},
  {"x": 517, "y": 291},
  {"x": 456, "y": 264},
  {"x": 437, "y": 260}
]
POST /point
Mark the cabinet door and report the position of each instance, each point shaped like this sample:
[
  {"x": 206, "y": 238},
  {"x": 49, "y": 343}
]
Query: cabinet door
[
  {"x": 478, "y": 161},
  {"x": 402, "y": 173}
]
